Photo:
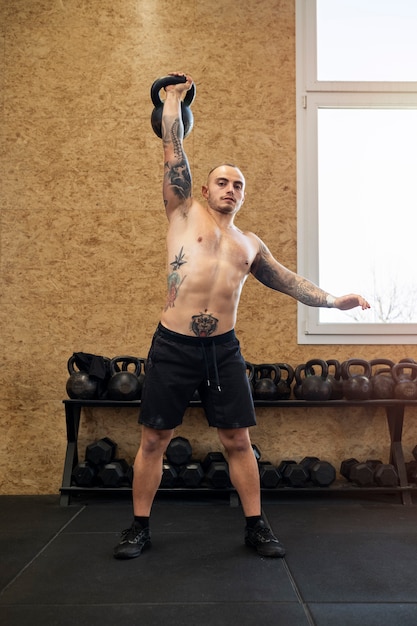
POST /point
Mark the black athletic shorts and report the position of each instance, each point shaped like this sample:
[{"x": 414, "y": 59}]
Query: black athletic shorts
[{"x": 178, "y": 365}]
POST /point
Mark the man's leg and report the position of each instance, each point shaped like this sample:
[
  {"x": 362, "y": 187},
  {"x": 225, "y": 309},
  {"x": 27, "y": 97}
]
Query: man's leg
[
  {"x": 243, "y": 468},
  {"x": 147, "y": 473},
  {"x": 147, "y": 469},
  {"x": 244, "y": 475}
]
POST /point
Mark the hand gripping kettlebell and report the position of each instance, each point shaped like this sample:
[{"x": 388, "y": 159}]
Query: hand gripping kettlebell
[
  {"x": 80, "y": 385},
  {"x": 186, "y": 113},
  {"x": 124, "y": 384}
]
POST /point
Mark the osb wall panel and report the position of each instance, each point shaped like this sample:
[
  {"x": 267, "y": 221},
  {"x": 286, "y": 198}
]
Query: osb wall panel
[{"x": 82, "y": 231}]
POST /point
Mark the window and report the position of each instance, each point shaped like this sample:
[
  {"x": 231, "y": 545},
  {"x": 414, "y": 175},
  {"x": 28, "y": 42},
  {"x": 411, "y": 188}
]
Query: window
[{"x": 356, "y": 155}]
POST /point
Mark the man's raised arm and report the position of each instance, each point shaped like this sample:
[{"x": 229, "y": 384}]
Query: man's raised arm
[{"x": 177, "y": 175}]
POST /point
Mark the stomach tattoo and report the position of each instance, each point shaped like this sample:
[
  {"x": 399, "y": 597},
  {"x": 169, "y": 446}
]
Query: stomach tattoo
[{"x": 203, "y": 324}]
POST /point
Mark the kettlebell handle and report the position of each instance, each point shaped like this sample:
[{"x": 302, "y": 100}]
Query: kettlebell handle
[
  {"x": 126, "y": 361},
  {"x": 399, "y": 368},
  {"x": 163, "y": 82},
  {"x": 320, "y": 363},
  {"x": 70, "y": 365},
  {"x": 346, "y": 368}
]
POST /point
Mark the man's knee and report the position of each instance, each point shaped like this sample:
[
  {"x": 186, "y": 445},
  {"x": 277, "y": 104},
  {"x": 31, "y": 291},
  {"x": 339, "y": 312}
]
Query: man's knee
[
  {"x": 235, "y": 439},
  {"x": 155, "y": 441}
]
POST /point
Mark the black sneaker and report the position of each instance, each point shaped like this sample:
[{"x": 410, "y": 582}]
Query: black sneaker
[
  {"x": 132, "y": 543},
  {"x": 262, "y": 539}
]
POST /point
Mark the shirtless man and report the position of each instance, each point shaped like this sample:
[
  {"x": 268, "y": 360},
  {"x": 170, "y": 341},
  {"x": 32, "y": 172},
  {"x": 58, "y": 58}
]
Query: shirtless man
[{"x": 194, "y": 347}]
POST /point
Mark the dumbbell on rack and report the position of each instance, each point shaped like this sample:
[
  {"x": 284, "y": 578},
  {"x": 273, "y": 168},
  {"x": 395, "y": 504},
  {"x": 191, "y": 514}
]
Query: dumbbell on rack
[
  {"x": 269, "y": 475},
  {"x": 369, "y": 473},
  {"x": 216, "y": 470},
  {"x": 179, "y": 451},
  {"x": 310, "y": 470},
  {"x": 100, "y": 466},
  {"x": 97, "y": 454},
  {"x": 180, "y": 469},
  {"x": 84, "y": 474},
  {"x": 116, "y": 474},
  {"x": 101, "y": 451}
]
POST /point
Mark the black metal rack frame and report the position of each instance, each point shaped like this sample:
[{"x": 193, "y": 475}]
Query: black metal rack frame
[{"x": 394, "y": 410}]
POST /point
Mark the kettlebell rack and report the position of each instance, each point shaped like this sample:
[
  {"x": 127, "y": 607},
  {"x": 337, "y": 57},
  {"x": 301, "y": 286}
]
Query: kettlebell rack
[{"x": 394, "y": 410}]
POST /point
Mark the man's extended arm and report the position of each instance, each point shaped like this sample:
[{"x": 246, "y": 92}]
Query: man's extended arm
[
  {"x": 268, "y": 271},
  {"x": 177, "y": 175}
]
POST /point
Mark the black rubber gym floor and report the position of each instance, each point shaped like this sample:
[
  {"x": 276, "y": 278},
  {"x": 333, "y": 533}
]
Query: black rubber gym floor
[{"x": 349, "y": 563}]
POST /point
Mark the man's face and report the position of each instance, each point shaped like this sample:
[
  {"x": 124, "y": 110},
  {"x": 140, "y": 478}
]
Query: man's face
[{"x": 225, "y": 189}]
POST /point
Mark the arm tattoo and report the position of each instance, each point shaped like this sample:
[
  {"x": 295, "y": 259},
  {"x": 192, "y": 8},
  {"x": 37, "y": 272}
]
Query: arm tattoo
[
  {"x": 178, "y": 176},
  {"x": 309, "y": 294},
  {"x": 175, "y": 138},
  {"x": 174, "y": 280},
  {"x": 203, "y": 324},
  {"x": 177, "y": 170},
  {"x": 280, "y": 279}
]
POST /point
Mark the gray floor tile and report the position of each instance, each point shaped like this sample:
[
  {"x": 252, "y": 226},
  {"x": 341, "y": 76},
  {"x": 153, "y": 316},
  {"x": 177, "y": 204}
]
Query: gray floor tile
[
  {"x": 366, "y": 614},
  {"x": 210, "y": 614}
]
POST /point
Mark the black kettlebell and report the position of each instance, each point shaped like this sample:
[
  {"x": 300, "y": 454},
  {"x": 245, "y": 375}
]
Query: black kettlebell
[
  {"x": 405, "y": 383},
  {"x": 316, "y": 387},
  {"x": 80, "y": 385},
  {"x": 356, "y": 386},
  {"x": 186, "y": 113},
  {"x": 124, "y": 384},
  {"x": 300, "y": 374},
  {"x": 382, "y": 381},
  {"x": 267, "y": 376},
  {"x": 335, "y": 379},
  {"x": 286, "y": 377}
]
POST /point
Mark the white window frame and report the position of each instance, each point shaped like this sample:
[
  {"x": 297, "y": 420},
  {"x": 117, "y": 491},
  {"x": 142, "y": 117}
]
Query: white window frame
[{"x": 311, "y": 95}]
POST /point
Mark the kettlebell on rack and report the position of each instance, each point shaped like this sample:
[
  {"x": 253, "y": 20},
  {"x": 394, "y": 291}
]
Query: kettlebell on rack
[
  {"x": 300, "y": 375},
  {"x": 382, "y": 381},
  {"x": 186, "y": 113},
  {"x": 267, "y": 376},
  {"x": 80, "y": 385},
  {"x": 124, "y": 384},
  {"x": 405, "y": 385},
  {"x": 285, "y": 382},
  {"x": 316, "y": 387},
  {"x": 335, "y": 379},
  {"x": 356, "y": 386}
]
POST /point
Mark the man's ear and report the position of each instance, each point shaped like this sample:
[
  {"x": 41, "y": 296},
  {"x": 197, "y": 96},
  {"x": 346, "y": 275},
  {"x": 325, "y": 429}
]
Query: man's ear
[{"x": 204, "y": 191}]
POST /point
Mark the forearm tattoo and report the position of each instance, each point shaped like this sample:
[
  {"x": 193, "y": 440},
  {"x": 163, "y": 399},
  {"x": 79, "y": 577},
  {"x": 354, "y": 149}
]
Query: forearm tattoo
[
  {"x": 310, "y": 294},
  {"x": 280, "y": 279},
  {"x": 177, "y": 172},
  {"x": 175, "y": 132},
  {"x": 203, "y": 324},
  {"x": 174, "y": 280}
]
